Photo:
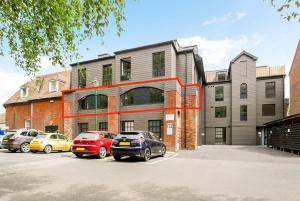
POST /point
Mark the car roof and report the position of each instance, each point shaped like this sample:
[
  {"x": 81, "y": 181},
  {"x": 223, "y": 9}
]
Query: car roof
[{"x": 98, "y": 132}]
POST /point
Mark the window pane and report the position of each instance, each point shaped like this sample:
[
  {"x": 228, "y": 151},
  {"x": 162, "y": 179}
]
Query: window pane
[
  {"x": 107, "y": 74},
  {"x": 103, "y": 126},
  {"x": 220, "y": 135},
  {"x": 155, "y": 126},
  {"x": 127, "y": 126},
  {"x": 270, "y": 90},
  {"x": 220, "y": 112},
  {"x": 89, "y": 102},
  {"x": 142, "y": 95},
  {"x": 219, "y": 93},
  {"x": 243, "y": 113},
  {"x": 243, "y": 91},
  {"x": 268, "y": 110},
  {"x": 126, "y": 68},
  {"x": 82, "y": 127},
  {"x": 158, "y": 60}
]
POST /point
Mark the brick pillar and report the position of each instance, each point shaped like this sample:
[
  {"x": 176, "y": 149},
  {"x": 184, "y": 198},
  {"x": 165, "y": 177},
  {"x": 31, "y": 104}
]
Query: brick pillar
[
  {"x": 113, "y": 119},
  {"x": 191, "y": 123},
  {"x": 69, "y": 123},
  {"x": 172, "y": 139}
]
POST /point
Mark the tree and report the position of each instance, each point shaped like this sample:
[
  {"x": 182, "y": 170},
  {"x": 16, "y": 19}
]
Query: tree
[
  {"x": 31, "y": 29},
  {"x": 287, "y": 9}
]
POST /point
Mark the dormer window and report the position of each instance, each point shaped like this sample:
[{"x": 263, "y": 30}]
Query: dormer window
[
  {"x": 221, "y": 76},
  {"x": 24, "y": 92},
  {"x": 53, "y": 86}
]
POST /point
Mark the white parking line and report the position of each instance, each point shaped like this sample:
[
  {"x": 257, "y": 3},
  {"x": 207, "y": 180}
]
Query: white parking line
[{"x": 164, "y": 159}]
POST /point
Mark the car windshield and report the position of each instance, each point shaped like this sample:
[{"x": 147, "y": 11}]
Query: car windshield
[
  {"x": 89, "y": 136},
  {"x": 10, "y": 133},
  {"x": 41, "y": 136},
  {"x": 130, "y": 135}
]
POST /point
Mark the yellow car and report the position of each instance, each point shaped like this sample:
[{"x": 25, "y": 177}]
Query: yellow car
[{"x": 48, "y": 142}]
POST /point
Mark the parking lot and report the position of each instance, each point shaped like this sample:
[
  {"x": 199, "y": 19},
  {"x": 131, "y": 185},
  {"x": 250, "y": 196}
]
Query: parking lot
[{"x": 211, "y": 173}]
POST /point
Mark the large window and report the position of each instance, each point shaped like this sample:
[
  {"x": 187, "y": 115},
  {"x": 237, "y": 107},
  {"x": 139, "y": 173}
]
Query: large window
[
  {"x": 142, "y": 95},
  {"x": 127, "y": 126},
  {"x": 219, "y": 93},
  {"x": 268, "y": 110},
  {"x": 243, "y": 91},
  {"x": 107, "y": 74},
  {"x": 158, "y": 60},
  {"x": 103, "y": 126},
  {"x": 125, "y": 69},
  {"x": 82, "y": 127},
  {"x": 155, "y": 126},
  {"x": 90, "y": 102},
  {"x": 220, "y": 112},
  {"x": 82, "y": 77},
  {"x": 243, "y": 113},
  {"x": 270, "y": 90},
  {"x": 220, "y": 136}
]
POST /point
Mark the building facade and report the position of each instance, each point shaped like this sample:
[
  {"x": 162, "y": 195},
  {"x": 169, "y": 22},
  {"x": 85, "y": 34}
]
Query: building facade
[
  {"x": 37, "y": 104},
  {"x": 240, "y": 100},
  {"x": 143, "y": 80},
  {"x": 295, "y": 83}
]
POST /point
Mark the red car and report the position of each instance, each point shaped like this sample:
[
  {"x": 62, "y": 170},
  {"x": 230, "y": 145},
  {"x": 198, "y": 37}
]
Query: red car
[{"x": 96, "y": 143}]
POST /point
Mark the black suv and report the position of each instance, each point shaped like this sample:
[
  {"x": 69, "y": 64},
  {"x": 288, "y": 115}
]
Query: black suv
[{"x": 139, "y": 143}]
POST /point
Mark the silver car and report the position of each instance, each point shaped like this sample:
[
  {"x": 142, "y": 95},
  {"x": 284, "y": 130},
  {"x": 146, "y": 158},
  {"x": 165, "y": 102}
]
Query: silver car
[{"x": 20, "y": 139}]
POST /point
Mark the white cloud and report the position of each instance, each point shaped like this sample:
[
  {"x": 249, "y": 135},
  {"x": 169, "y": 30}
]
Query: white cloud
[
  {"x": 217, "y": 54},
  {"x": 10, "y": 82},
  {"x": 232, "y": 17}
]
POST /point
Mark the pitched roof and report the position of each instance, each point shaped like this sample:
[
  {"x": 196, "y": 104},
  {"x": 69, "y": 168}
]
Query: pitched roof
[
  {"x": 38, "y": 88},
  {"x": 244, "y": 53},
  {"x": 261, "y": 71}
]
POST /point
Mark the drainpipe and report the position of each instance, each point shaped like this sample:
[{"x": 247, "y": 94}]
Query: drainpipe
[{"x": 184, "y": 100}]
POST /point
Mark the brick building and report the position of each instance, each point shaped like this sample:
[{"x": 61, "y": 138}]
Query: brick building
[
  {"x": 295, "y": 83},
  {"x": 37, "y": 104},
  {"x": 166, "y": 67}
]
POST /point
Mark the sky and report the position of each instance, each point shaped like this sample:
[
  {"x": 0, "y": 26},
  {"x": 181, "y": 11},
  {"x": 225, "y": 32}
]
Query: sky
[{"x": 220, "y": 28}]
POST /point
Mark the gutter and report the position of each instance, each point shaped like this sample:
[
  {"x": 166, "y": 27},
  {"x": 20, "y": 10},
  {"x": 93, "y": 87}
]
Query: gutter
[{"x": 184, "y": 100}]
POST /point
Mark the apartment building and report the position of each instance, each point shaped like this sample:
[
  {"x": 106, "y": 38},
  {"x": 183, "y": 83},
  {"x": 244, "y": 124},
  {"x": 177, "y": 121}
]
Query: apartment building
[
  {"x": 37, "y": 104},
  {"x": 295, "y": 83},
  {"x": 142, "y": 88},
  {"x": 241, "y": 99}
]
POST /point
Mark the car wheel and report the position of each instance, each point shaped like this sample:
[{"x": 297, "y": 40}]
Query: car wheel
[
  {"x": 78, "y": 155},
  {"x": 13, "y": 150},
  {"x": 102, "y": 153},
  {"x": 48, "y": 149},
  {"x": 117, "y": 157},
  {"x": 25, "y": 148},
  {"x": 163, "y": 151},
  {"x": 147, "y": 154}
]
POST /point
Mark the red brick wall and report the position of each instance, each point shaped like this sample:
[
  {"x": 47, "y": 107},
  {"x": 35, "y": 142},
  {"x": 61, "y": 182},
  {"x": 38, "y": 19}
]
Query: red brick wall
[
  {"x": 173, "y": 100},
  {"x": 113, "y": 120},
  {"x": 68, "y": 123},
  {"x": 295, "y": 83},
  {"x": 16, "y": 115},
  {"x": 191, "y": 127},
  {"x": 44, "y": 113}
]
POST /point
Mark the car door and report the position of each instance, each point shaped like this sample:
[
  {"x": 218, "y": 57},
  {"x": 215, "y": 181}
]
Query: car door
[
  {"x": 107, "y": 141},
  {"x": 156, "y": 143},
  {"x": 31, "y": 135},
  {"x": 62, "y": 143},
  {"x": 54, "y": 142},
  {"x": 151, "y": 143}
]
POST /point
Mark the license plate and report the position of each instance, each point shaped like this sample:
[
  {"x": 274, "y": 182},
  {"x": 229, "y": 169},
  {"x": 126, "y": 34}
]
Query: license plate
[
  {"x": 124, "y": 143},
  {"x": 80, "y": 149},
  {"x": 5, "y": 140}
]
